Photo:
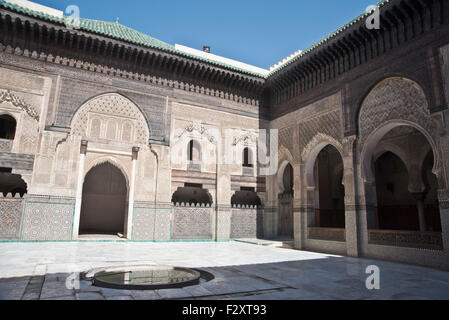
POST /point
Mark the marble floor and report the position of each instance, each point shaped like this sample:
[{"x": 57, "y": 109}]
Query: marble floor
[{"x": 32, "y": 271}]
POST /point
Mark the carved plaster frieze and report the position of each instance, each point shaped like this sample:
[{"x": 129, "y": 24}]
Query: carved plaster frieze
[
  {"x": 195, "y": 127},
  {"x": 246, "y": 139},
  {"x": 7, "y": 96}
]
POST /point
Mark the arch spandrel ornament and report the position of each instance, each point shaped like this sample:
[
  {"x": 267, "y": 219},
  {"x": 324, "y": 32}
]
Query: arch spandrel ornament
[
  {"x": 395, "y": 99},
  {"x": 110, "y": 107},
  {"x": 320, "y": 140},
  {"x": 392, "y": 103}
]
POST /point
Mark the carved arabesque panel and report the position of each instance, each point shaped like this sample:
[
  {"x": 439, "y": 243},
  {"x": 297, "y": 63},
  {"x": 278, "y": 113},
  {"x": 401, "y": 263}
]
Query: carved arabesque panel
[
  {"x": 120, "y": 115},
  {"x": 394, "y": 99},
  {"x": 328, "y": 124}
]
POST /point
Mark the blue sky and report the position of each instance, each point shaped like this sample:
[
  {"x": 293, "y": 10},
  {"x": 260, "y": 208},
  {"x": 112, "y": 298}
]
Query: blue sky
[{"x": 256, "y": 32}]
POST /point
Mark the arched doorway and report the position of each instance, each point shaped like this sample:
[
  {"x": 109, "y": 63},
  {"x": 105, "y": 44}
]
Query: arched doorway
[
  {"x": 285, "y": 223},
  {"x": 406, "y": 188},
  {"x": 103, "y": 209},
  {"x": 330, "y": 194}
]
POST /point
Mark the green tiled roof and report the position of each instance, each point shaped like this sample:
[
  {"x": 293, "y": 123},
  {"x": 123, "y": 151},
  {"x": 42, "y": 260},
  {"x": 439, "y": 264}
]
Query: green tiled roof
[
  {"x": 120, "y": 32},
  {"x": 108, "y": 29}
]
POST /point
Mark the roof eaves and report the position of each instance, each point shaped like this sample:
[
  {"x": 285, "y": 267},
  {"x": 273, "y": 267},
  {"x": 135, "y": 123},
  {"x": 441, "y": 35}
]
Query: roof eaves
[
  {"x": 325, "y": 39},
  {"x": 160, "y": 44}
]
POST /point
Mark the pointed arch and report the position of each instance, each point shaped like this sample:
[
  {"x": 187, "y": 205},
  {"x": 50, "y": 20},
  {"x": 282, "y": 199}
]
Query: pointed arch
[
  {"x": 376, "y": 136},
  {"x": 311, "y": 152},
  {"x": 104, "y": 200},
  {"x": 107, "y": 159}
]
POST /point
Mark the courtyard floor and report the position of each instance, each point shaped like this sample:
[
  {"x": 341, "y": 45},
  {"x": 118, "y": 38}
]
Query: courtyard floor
[{"x": 242, "y": 271}]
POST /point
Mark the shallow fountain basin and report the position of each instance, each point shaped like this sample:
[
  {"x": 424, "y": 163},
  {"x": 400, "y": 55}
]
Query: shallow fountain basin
[{"x": 146, "y": 277}]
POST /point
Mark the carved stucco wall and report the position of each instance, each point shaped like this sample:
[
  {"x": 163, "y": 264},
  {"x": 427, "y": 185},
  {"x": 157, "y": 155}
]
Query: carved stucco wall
[
  {"x": 394, "y": 99},
  {"x": 391, "y": 103},
  {"x": 321, "y": 117},
  {"x": 302, "y": 130},
  {"x": 111, "y": 117},
  {"x": 27, "y": 119}
]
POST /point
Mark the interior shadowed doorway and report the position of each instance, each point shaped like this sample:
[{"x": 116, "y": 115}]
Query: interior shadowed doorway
[{"x": 103, "y": 208}]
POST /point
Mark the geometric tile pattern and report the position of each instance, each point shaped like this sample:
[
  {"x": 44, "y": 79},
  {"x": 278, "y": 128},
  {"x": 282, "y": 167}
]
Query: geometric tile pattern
[
  {"x": 244, "y": 223},
  {"x": 47, "y": 221},
  {"x": 192, "y": 223},
  {"x": 151, "y": 224},
  {"x": 10, "y": 216}
]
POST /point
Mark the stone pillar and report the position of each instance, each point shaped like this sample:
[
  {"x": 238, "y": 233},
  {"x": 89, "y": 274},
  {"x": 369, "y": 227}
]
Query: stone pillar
[
  {"x": 129, "y": 221},
  {"x": 419, "y": 197},
  {"x": 223, "y": 212},
  {"x": 351, "y": 214},
  {"x": 309, "y": 208},
  {"x": 443, "y": 197},
  {"x": 298, "y": 214},
  {"x": 79, "y": 190}
]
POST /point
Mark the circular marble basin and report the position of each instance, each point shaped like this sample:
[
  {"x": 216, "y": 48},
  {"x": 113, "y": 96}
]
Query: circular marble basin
[{"x": 146, "y": 278}]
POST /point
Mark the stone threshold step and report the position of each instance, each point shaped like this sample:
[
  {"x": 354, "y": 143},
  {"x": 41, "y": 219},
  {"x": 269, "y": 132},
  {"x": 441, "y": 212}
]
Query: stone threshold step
[{"x": 287, "y": 244}]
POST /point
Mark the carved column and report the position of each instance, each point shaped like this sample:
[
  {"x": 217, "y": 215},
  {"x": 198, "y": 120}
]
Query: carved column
[
  {"x": 351, "y": 214},
  {"x": 79, "y": 189}
]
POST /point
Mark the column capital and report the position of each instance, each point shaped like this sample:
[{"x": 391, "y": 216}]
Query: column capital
[
  {"x": 83, "y": 148},
  {"x": 349, "y": 145},
  {"x": 135, "y": 151}
]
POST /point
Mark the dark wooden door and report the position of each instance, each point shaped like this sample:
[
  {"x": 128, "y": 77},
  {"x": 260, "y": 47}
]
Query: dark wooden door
[{"x": 286, "y": 218}]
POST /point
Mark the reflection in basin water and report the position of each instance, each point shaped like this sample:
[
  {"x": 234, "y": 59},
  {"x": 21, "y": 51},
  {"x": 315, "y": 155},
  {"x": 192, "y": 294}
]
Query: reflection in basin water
[{"x": 146, "y": 278}]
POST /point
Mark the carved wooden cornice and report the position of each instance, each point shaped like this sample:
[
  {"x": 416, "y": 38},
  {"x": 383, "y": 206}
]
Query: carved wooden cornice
[{"x": 54, "y": 43}]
